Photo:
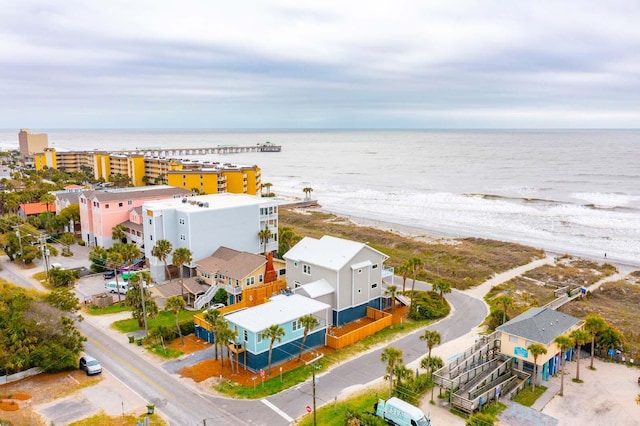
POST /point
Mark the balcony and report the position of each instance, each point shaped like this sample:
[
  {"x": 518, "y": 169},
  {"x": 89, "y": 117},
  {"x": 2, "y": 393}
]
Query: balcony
[
  {"x": 387, "y": 271},
  {"x": 234, "y": 290}
]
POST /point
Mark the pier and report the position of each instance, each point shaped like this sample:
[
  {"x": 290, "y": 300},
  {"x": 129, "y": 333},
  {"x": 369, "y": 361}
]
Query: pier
[{"x": 180, "y": 152}]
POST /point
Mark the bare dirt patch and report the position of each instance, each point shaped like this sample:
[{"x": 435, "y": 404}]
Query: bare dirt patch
[
  {"x": 40, "y": 389},
  {"x": 191, "y": 344}
]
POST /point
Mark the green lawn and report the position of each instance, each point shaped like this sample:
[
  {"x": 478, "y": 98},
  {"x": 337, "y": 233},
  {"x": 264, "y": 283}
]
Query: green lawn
[
  {"x": 527, "y": 397},
  {"x": 113, "y": 309},
  {"x": 334, "y": 415},
  {"x": 165, "y": 318},
  {"x": 164, "y": 352}
]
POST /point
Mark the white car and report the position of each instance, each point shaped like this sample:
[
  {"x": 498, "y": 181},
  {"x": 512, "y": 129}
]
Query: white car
[
  {"x": 216, "y": 306},
  {"x": 90, "y": 365}
]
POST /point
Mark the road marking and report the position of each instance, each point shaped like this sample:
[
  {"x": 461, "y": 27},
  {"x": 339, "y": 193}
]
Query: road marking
[
  {"x": 277, "y": 410},
  {"x": 132, "y": 368}
]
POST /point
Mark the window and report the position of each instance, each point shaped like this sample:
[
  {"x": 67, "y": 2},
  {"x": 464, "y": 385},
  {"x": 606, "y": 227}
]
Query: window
[
  {"x": 119, "y": 204},
  {"x": 151, "y": 237},
  {"x": 295, "y": 264},
  {"x": 374, "y": 285},
  {"x": 295, "y": 325},
  {"x": 149, "y": 221},
  {"x": 374, "y": 266},
  {"x": 306, "y": 269},
  {"x": 260, "y": 278},
  {"x": 246, "y": 336},
  {"x": 528, "y": 343},
  {"x": 183, "y": 237},
  {"x": 359, "y": 271},
  {"x": 296, "y": 284},
  {"x": 250, "y": 280},
  {"x": 513, "y": 339},
  {"x": 106, "y": 206},
  {"x": 181, "y": 221},
  {"x": 129, "y": 202},
  {"x": 259, "y": 338},
  {"x": 359, "y": 290}
]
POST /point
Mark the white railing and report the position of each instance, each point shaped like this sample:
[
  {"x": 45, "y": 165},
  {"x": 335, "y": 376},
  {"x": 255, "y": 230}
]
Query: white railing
[{"x": 201, "y": 301}]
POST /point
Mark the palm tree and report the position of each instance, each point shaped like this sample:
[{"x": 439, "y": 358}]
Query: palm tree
[
  {"x": 580, "y": 337},
  {"x": 118, "y": 233},
  {"x": 273, "y": 333},
  {"x": 161, "y": 250},
  {"x": 392, "y": 357},
  {"x": 114, "y": 261},
  {"x": 268, "y": 185},
  {"x": 431, "y": 338},
  {"x": 415, "y": 263},
  {"x": 175, "y": 304},
  {"x": 181, "y": 256},
  {"x": 264, "y": 235},
  {"x": 564, "y": 343},
  {"x": 309, "y": 322},
  {"x": 404, "y": 271},
  {"x": 212, "y": 318},
  {"x": 442, "y": 287},
  {"x": 224, "y": 335},
  {"x": 392, "y": 290},
  {"x": 536, "y": 350},
  {"x": 307, "y": 192},
  {"x": 48, "y": 199},
  {"x": 505, "y": 301},
  {"x": 594, "y": 324}
]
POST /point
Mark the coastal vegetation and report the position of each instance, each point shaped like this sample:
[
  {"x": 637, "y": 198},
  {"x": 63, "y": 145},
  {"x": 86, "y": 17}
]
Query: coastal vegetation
[{"x": 462, "y": 263}]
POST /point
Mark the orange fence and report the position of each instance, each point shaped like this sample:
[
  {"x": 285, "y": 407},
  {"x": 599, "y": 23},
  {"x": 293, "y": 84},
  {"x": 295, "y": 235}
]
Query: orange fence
[
  {"x": 250, "y": 297},
  {"x": 381, "y": 320}
]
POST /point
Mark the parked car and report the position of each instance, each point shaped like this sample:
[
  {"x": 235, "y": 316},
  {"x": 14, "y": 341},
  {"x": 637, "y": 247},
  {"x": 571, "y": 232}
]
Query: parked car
[
  {"x": 109, "y": 274},
  {"x": 90, "y": 365},
  {"x": 116, "y": 287},
  {"x": 216, "y": 306}
]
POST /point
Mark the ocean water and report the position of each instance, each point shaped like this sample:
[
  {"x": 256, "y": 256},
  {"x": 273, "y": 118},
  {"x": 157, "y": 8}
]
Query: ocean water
[{"x": 565, "y": 191}]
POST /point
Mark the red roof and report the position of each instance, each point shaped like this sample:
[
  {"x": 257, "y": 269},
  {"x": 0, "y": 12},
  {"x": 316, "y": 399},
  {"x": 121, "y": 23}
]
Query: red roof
[
  {"x": 35, "y": 208},
  {"x": 74, "y": 186}
]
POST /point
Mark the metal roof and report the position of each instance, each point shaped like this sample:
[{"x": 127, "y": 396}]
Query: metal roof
[
  {"x": 329, "y": 252},
  {"x": 280, "y": 310}
]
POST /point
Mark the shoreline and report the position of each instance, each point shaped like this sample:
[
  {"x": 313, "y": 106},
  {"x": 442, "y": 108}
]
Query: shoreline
[{"x": 440, "y": 237}]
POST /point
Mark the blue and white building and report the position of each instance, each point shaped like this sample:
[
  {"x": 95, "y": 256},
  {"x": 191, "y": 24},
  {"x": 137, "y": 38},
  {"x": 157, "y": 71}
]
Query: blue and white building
[{"x": 285, "y": 311}]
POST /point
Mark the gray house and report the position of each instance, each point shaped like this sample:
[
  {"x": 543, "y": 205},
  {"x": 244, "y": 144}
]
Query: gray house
[{"x": 345, "y": 274}]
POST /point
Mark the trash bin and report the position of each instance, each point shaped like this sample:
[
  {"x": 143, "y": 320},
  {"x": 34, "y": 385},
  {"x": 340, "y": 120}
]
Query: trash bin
[{"x": 150, "y": 408}]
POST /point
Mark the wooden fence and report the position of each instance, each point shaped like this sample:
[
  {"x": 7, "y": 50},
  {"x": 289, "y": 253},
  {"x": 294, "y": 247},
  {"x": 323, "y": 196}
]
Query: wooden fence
[{"x": 380, "y": 319}]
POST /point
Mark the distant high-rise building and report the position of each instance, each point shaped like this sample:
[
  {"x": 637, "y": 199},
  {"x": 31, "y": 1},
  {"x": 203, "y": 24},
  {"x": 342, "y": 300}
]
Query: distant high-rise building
[{"x": 32, "y": 143}]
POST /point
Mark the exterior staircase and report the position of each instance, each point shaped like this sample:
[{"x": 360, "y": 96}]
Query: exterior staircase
[{"x": 205, "y": 298}]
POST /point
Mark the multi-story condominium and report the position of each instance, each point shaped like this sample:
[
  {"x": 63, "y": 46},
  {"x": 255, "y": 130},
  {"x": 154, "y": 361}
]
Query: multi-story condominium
[
  {"x": 31, "y": 143},
  {"x": 204, "y": 223},
  {"x": 203, "y": 177},
  {"x": 346, "y": 274},
  {"x": 101, "y": 210}
]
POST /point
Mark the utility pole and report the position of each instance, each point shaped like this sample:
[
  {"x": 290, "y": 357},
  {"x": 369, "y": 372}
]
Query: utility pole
[
  {"x": 144, "y": 309},
  {"x": 19, "y": 238},
  {"x": 45, "y": 253},
  {"x": 313, "y": 368}
]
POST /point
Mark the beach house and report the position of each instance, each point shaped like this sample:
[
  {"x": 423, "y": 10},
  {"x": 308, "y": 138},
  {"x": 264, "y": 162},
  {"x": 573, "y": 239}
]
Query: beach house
[
  {"x": 346, "y": 274},
  {"x": 285, "y": 311}
]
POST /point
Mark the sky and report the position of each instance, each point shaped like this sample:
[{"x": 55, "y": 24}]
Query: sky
[{"x": 428, "y": 64}]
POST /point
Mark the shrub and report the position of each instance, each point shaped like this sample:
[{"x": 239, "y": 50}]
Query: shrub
[
  {"x": 187, "y": 327},
  {"x": 353, "y": 418},
  {"x": 428, "y": 305},
  {"x": 81, "y": 243},
  {"x": 165, "y": 332}
]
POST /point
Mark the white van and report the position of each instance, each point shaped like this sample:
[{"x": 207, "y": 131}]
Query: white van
[
  {"x": 398, "y": 412},
  {"x": 112, "y": 287}
]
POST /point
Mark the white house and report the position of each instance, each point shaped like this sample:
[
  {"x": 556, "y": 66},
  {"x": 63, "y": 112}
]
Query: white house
[
  {"x": 204, "y": 223},
  {"x": 346, "y": 274}
]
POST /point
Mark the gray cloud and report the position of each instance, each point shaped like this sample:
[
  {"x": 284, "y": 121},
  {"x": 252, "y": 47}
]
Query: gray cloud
[{"x": 324, "y": 64}]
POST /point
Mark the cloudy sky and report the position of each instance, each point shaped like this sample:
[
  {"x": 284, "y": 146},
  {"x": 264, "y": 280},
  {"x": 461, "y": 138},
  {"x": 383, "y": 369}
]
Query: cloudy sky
[{"x": 319, "y": 64}]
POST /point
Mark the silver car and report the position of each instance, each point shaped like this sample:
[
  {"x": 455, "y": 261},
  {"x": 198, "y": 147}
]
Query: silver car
[{"x": 90, "y": 365}]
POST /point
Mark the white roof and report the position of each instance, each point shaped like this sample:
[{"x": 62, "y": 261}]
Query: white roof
[
  {"x": 328, "y": 252},
  {"x": 317, "y": 288},
  {"x": 214, "y": 202},
  {"x": 280, "y": 310}
]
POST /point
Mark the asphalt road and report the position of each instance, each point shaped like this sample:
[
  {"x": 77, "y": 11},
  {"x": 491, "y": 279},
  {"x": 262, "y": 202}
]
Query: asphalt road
[{"x": 182, "y": 404}]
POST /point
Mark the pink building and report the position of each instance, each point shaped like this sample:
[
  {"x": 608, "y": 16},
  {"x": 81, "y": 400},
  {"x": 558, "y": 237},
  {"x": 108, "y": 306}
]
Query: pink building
[{"x": 101, "y": 210}]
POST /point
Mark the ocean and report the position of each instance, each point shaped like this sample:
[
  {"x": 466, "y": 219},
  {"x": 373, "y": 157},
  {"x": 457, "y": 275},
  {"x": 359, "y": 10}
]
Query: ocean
[{"x": 567, "y": 191}]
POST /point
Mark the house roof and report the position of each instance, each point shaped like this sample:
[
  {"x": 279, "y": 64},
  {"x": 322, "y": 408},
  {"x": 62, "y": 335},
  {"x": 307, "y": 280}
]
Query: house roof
[
  {"x": 540, "y": 325},
  {"x": 280, "y": 310},
  {"x": 74, "y": 186},
  {"x": 173, "y": 288},
  {"x": 231, "y": 263},
  {"x": 136, "y": 192},
  {"x": 71, "y": 197},
  {"x": 35, "y": 208},
  {"x": 132, "y": 225},
  {"x": 329, "y": 252},
  {"x": 316, "y": 288}
]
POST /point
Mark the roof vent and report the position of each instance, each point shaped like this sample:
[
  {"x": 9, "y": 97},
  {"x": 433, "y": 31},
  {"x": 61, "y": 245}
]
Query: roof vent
[
  {"x": 200, "y": 204},
  {"x": 184, "y": 200}
]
